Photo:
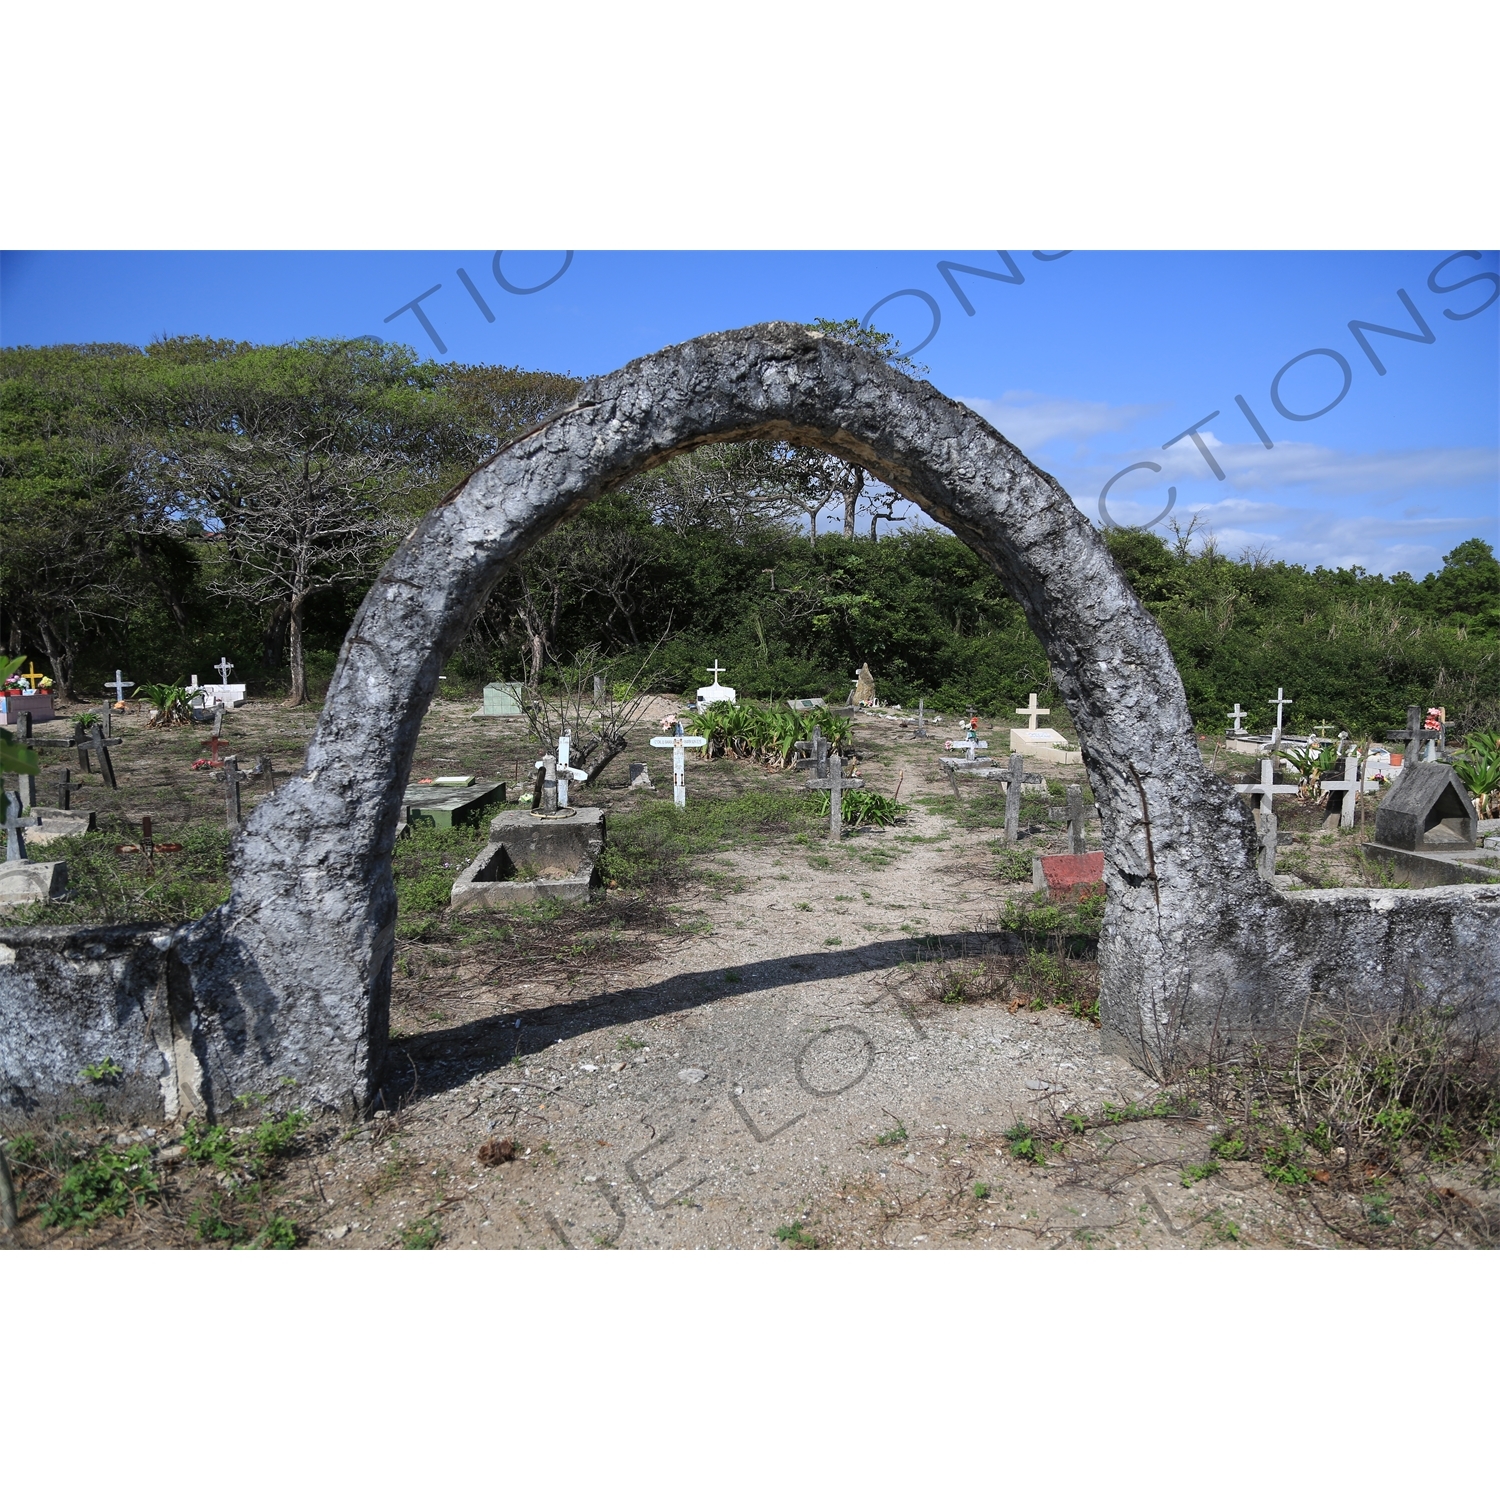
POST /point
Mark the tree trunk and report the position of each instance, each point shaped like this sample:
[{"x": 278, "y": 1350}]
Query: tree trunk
[
  {"x": 273, "y": 641},
  {"x": 853, "y": 486},
  {"x": 298, "y": 694},
  {"x": 60, "y": 657}
]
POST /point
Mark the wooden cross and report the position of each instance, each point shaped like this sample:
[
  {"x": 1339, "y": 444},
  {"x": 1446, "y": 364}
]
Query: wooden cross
[
  {"x": 920, "y": 733},
  {"x": 1322, "y": 729},
  {"x": 1032, "y": 713},
  {"x": 119, "y": 685},
  {"x": 15, "y": 838},
  {"x": 968, "y": 747},
  {"x": 1238, "y": 716},
  {"x": 1013, "y": 797},
  {"x": 1077, "y": 843},
  {"x": 677, "y": 743},
  {"x": 1281, "y": 703},
  {"x": 835, "y": 783},
  {"x": 33, "y": 676},
  {"x": 224, "y": 667},
  {"x": 816, "y": 753},
  {"x": 1413, "y": 735}
]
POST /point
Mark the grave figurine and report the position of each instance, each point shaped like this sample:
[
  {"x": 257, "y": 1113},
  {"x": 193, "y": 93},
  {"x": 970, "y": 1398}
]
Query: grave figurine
[
  {"x": 717, "y": 692},
  {"x": 564, "y": 773},
  {"x": 835, "y": 783},
  {"x": 863, "y": 695},
  {"x": 677, "y": 743}
]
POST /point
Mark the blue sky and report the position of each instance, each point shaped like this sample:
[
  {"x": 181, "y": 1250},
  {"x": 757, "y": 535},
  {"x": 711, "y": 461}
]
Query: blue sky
[{"x": 1089, "y": 362}]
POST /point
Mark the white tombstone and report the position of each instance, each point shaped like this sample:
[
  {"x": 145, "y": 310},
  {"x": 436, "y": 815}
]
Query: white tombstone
[
  {"x": 717, "y": 692},
  {"x": 224, "y": 693}
]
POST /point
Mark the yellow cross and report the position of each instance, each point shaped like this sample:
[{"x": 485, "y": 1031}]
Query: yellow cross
[{"x": 33, "y": 676}]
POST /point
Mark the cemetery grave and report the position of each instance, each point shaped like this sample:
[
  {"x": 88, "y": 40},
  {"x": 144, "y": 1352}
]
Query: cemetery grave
[{"x": 782, "y": 981}]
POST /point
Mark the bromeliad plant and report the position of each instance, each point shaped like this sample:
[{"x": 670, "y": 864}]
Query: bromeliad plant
[
  {"x": 745, "y": 731},
  {"x": 1478, "y": 767},
  {"x": 171, "y": 703},
  {"x": 1311, "y": 766}
]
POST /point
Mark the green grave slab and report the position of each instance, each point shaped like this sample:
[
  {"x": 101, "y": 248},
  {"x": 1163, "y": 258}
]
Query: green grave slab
[{"x": 452, "y": 806}]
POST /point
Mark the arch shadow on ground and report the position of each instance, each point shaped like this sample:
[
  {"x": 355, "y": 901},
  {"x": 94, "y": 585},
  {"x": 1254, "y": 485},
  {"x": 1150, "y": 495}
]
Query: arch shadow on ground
[{"x": 434, "y": 1062}]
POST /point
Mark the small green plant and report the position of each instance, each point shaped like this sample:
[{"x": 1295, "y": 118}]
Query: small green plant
[
  {"x": 981, "y": 1190},
  {"x": 212, "y": 1147},
  {"x": 1200, "y": 1171},
  {"x": 1478, "y": 767},
  {"x": 423, "y": 1234},
  {"x": 278, "y": 1233},
  {"x": 1221, "y": 1230},
  {"x": 833, "y": 942},
  {"x": 1229, "y": 1147},
  {"x": 105, "y": 1182},
  {"x": 1377, "y": 1210},
  {"x": 795, "y": 1237},
  {"x": 630, "y": 1044},
  {"x": 102, "y": 1072},
  {"x": 1283, "y": 1160},
  {"x": 892, "y": 1137},
  {"x": 1024, "y": 1145}
]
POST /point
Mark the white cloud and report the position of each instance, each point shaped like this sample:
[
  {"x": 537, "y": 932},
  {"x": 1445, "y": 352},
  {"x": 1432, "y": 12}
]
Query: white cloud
[{"x": 1029, "y": 420}]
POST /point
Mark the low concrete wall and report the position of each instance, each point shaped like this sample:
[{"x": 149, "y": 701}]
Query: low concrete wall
[{"x": 71, "y": 997}]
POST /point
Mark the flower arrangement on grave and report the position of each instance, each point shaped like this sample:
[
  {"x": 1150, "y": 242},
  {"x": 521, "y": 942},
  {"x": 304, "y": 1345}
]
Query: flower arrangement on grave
[{"x": 17, "y": 682}]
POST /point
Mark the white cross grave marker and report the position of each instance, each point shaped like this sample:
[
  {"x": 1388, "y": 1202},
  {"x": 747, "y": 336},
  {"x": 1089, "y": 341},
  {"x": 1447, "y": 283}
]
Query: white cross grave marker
[
  {"x": 677, "y": 743},
  {"x": 1032, "y": 713},
  {"x": 1350, "y": 786},
  {"x": 1262, "y": 795},
  {"x": 1281, "y": 703},
  {"x": 224, "y": 667},
  {"x": 1238, "y": 716},
  {"x": 716, "y": 669},
  {"x": 119, "y": 685},
  {"x": 565, "y": 772}
]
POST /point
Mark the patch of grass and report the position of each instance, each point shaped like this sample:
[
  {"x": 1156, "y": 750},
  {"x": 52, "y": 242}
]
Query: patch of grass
[
  {"x": 106, "y": 888},
  {"x": 833, "y": 942},
  {"x": 1221, "y": 1230},
  {"x": 1014, "y": 863},
  {"x": 630, "y": 1044},
  {"x": 981, "y": 1190},
  {"x": 1035, "y": 916},
  {"x": 426, "y": 862},
  {"x": 892, "y": 1137},
  {"x": 659, "y": 841},
  {"x": 1200, "y": 1171},
  {"x": 795, "y": 1237},
  {"x": 423, "y": 1234}
]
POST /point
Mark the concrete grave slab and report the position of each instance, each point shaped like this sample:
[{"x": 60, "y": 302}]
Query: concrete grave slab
[
  {"x": 531, "y": 858},
  {"x": 450, "y": 806}
]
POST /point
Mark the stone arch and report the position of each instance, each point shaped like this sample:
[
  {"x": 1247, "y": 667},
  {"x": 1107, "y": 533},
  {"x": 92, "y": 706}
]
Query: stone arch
[{"x": 292, "y": 977}]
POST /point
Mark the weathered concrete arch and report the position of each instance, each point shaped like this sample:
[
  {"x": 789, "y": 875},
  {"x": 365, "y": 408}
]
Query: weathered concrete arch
[{"x": 292, "y": 977}]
